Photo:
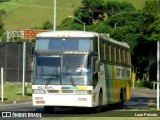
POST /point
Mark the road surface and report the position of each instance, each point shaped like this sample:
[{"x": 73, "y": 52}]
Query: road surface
[{"x": 140, "y": 99}]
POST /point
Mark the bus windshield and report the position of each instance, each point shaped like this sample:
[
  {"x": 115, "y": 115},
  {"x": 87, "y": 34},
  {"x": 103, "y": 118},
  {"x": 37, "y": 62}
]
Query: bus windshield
[
  {"x": 62, "y": 69},
  {"x": 80, "y": 44}
]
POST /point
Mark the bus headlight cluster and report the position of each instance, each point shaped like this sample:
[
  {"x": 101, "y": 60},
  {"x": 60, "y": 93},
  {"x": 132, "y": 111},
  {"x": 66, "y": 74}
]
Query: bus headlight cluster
[
  {"x": 84, "y": 92},
  {"x": 38, "y": 91}
]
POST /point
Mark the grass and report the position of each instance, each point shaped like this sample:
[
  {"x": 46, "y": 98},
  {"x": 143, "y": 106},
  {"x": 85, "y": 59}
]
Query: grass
[
  {"x": 33, "y": 13},
  {"x": 24, "y": 15},
  {"x": 13, "y": 92}
]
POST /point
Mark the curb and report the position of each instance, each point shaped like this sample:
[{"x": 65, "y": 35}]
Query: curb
[{"x": 15, "y": 102}]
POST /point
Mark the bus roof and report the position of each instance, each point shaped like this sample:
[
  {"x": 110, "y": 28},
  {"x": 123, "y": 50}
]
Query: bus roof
[
  {"x": 107, "y": 38},
  {"x": 80, "y": 34},
  {"x": 67, "y": 34}
]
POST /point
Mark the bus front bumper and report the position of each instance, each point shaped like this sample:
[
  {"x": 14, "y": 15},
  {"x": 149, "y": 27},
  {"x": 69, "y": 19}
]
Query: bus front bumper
[{"x": 62, "y": 100}]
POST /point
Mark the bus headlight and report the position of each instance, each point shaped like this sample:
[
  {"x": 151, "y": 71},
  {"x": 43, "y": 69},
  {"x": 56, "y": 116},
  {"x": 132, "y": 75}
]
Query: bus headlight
[
  {"x": 84, "y": 92},
  {"x": 38, "y": 91}
]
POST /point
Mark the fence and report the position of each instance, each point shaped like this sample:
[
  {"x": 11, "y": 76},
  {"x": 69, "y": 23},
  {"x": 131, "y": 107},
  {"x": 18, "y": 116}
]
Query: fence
[{"x": 11, "y": 59}]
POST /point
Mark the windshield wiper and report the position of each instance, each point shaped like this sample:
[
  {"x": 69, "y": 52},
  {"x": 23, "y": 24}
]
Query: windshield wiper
[
  {"x": 47, "y": 83},
  {"x": 71, "y": 79},
  {"x": 49, "y": 78}
]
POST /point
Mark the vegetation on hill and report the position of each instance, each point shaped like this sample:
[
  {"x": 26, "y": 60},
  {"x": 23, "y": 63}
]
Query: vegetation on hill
[
  {"x": 24, "y": 15},
  {"x": 33, "y": 13}
]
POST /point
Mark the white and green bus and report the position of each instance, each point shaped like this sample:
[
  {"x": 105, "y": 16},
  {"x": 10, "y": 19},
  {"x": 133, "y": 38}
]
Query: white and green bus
[{"x": 80, "y": 69}]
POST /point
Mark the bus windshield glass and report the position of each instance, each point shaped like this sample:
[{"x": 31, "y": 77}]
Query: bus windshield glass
[
  {"x": 80, "y": 44},
  {"x": 63, "y": 69}
]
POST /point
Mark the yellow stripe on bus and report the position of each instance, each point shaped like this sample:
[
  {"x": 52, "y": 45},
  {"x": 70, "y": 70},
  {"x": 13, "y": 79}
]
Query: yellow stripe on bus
[
  {"x": 82, "y": 88},
  {"x": 113, "y": 72}
]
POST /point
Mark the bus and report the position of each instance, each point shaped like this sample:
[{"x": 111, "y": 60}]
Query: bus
[{"x": 80, "y": 69}]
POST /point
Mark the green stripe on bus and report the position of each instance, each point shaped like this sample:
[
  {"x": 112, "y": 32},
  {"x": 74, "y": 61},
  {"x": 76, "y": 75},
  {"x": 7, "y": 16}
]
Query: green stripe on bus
[
  {"x": 108, "y": 72},
  {"x": 68, "y": 88}
]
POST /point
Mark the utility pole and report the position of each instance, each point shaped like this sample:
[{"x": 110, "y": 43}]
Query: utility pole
[
  {"x": 54, "y": 24},
  {"x": 24, "y": 67},
  {"x": 84, "y": 24},
  {"x": 158, "y": 74}
]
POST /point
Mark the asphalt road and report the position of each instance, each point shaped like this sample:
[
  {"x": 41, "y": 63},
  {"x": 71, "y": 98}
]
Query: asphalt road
[{"x": 140, "y": 99}]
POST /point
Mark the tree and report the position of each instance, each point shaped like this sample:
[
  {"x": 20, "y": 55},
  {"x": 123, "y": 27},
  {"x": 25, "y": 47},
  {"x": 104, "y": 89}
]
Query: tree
[
  {"x": 114, "y": 7},
  {"x": 154, "y": 30},
  {"x": 131, "y": 27},
  {"x": 1, "y": 30},
  {"x": 91, "y": 11},
  {"x": 2, "y": 13},
  {"x": 47, "y": 26},
  {"x": 124, "y": 23},
  {"x": 151, "y": 6}
]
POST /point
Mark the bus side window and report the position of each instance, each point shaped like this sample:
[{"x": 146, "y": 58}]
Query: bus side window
[
  {"x": 96, "y": 70},
  {"x": 96, "y": 65},
  {"x": 117, "y": 55},
  {"x": 108, "y": 52},
  {"x": 95, "y": 44},
  {"x": 122, "y": 56},
  {"x": 112, "y": 54},
  {"x": 128, "y": 58},
  {"x": 102, "y": 51}
]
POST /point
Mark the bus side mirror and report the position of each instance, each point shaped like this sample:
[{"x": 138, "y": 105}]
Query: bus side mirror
[{"x": 97, "y": 66}]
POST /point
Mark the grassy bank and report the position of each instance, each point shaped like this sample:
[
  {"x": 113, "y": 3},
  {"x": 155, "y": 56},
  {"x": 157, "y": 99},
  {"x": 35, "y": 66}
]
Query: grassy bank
[
  {"x": 33, "y": 13},
  {"x": 13, "y": 92},
  {"x": 24, "y": 15}
]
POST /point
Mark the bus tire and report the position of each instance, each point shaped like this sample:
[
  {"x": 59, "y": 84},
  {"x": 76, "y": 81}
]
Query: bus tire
[
  {"x": 121, "y": 103},
  {"x": 124, "y": 95},
  {"x": 48, "y": 109},
  {"x": 100, "y": 103}
]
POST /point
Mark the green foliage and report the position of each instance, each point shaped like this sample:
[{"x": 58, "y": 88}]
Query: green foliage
[
  {"x": 4, "y": 1},
  {"x": 144, "y": 84},
  {"x": 2, "y": 13},
  {"x": 114, "y": 7},
  {"x": 1, "y": 30},
  {"x": 151, "y": 6},
  {"x": 91, "y": 11},
  {"x": 154, "y": 30},
  {"x": 100, "y": 28},
  {"x": 66, "y": 22},
  {"x": 47, "y": 26},
  {"x": 127, "y": 27}
]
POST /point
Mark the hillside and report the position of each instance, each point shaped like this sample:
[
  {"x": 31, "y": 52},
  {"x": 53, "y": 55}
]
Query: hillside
[{"x": 33, "y": 13}]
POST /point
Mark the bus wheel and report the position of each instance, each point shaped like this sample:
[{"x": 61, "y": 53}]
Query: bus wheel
[
  {"x": 48, "y": 109},
  {"x": 124, "y": 96},
  {"x": 100, "y": 103},
  {"x": 121, "y": 103}
]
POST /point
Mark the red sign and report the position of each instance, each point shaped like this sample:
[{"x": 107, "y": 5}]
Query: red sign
[{"x": 31, "y": 34}]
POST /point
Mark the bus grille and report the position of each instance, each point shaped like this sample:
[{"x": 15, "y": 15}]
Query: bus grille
[{"x": 60, "y": 91}]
